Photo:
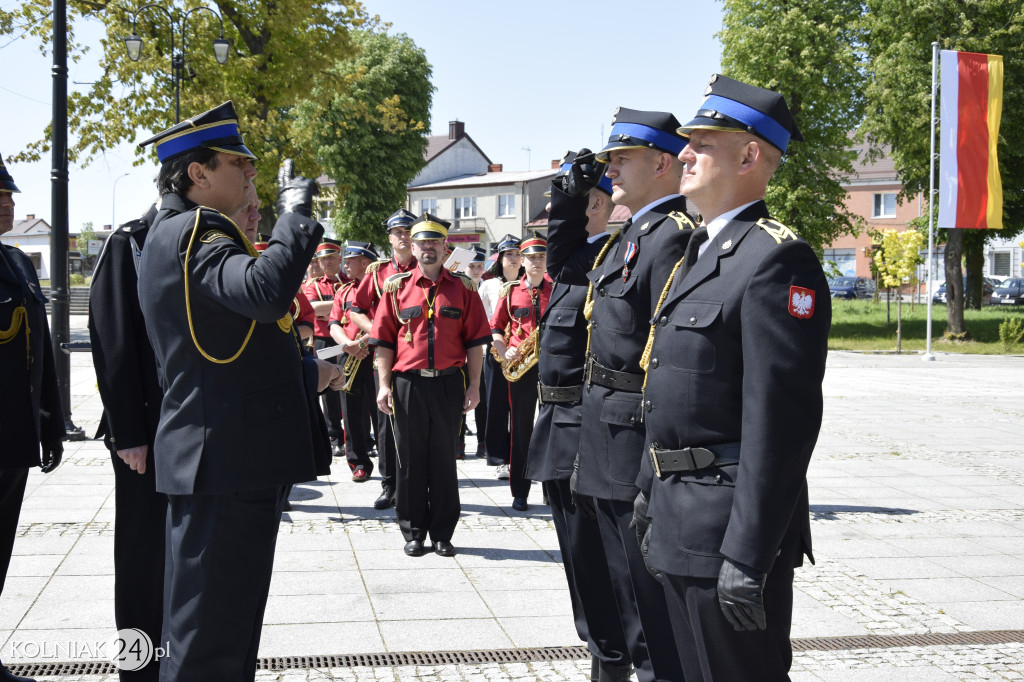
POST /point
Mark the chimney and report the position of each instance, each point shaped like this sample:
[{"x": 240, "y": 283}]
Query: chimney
[
  {"x": 30, "y": 216},
  {"x": 106, "y": 227},
  {"x": 556, "y": 164},
  {"x": 494, "y": 168},
  {"x": 456, "y": 129}
]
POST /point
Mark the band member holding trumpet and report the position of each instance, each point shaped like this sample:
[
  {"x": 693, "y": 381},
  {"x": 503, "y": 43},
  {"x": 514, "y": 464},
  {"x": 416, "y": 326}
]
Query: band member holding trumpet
[
  {"x": 357, "y": 397},
  {"x": 521, "y": 304}
]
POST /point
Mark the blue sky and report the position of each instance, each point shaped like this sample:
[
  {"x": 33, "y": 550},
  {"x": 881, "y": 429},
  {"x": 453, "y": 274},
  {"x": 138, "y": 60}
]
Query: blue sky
[{"x": 542, "y": 75}]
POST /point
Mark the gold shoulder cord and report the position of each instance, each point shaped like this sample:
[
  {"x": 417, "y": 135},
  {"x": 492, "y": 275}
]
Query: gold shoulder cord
[
  {"x": 284, "y": 324},
  {"x": 19, "y": 317},
  {"x": 588, "y": 306},
  {"x": 645, "y": 357}
]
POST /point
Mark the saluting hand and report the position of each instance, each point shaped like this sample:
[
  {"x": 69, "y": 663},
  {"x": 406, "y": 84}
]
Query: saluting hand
[{"x": 294, "y": 192}]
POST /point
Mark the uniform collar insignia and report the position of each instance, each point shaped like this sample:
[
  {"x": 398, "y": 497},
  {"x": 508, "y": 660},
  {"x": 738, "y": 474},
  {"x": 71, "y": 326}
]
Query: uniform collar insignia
[
  {"x": 645, "y": 226},
  {"x": 726, "y": 245}
]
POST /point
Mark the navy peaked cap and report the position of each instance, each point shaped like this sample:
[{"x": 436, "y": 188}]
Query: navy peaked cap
[
  {"x": 634, "y": 129},
  {"x": 216, "y": 129}
]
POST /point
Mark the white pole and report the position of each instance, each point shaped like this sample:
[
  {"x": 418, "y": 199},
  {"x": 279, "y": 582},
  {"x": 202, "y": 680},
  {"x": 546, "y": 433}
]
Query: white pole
[
  {"x": 928, "y": 355},
  {"x": 113, "y": 203}
]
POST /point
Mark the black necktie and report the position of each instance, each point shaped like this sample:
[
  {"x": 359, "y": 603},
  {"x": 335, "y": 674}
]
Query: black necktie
[{"x": 700, "y": 235}]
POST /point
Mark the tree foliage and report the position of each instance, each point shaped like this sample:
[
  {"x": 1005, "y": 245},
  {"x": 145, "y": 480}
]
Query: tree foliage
[
  {"x": 278, "y": 49},
  {"x": 807, "y": 51},
  {"x": 366, "y": 121}
]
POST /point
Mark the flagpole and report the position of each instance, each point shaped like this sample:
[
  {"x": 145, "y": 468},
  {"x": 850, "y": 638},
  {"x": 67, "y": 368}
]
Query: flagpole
[{"x": 928, "y": 355}]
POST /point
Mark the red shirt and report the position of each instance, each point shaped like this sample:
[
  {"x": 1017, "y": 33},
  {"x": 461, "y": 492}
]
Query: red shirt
[
  {"x": 322, "y": 289},
  {"x": 302, "y": 311},
  {"x": 342, "y": 304},
  {"x": 428, "y": 324},
  {"x": 520, "y": 310},
  {"x": 367, "y": 295}
]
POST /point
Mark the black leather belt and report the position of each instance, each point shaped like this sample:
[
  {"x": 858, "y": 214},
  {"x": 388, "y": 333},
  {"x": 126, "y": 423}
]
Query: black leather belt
[
  {"x": 559, "y": 394},
  {"x": 610, "y": 378},
  {"x": 430, "y": 373},
  {"x": 692, "y": 459}
]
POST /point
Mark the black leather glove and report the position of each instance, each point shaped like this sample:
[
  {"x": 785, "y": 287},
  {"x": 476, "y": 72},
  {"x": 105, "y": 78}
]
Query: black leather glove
[
  {"x": 52, "y": 453},
  {"x": 585, "y": 503},
  {"x": 645, "y": 546},
  {"x": 640, "y": 521},
  {"x": 583, "y": 176},
  {"x": 741, "y": 595},
  {"x": 294, "y": 192}
]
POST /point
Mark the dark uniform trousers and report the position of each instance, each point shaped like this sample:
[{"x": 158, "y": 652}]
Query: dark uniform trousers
[
  {"x": 12, "y": 491},
  {"x": 522, "y": 401},
  {"x": 427, "y": 413},
  {"x": 225, "y": 546},
  {"x": 480, "y": 420},
  {"x": 387, "y": 448},
  {"x": 330, "y": 399},
  {"x": 497, "y": 435},
  {"x": 355, "y": 409}
]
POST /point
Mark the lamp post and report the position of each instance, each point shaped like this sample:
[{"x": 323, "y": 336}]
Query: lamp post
[
  {"x": 113, "y": 202},
  {"x": 133, "y": 44}
]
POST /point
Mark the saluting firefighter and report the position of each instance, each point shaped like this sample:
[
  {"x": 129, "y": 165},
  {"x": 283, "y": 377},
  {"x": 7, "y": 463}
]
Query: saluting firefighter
[
  {"x": 640, "y": 159},
  {"x": 358, "y": 398},
  {"x": 518, "y": 310},
  {"x": 429, "y": 331},
  {"x": 556, "y": 437},
  {"x": 31, "y": 418},
  {"x": 236, "y": 423},
  {"x": 734, "y": 399},
  {"x": 362, "y": 312}
]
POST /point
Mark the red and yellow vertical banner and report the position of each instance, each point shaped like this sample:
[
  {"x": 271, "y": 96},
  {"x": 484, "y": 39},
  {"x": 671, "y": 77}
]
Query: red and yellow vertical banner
[{"x": 971, "y": 105}]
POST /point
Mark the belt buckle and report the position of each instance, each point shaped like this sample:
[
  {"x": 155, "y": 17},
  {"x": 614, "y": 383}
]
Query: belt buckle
[
  {"x": 430, "y": 373},
  {"x": 654, "y": 462}
]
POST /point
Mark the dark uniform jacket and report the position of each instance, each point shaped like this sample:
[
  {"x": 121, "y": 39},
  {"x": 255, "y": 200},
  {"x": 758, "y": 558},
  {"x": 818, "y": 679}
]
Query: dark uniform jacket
[
  {"x": 563, "y": 342},
  {"x": 30, "y": 407},
  {"x": 611, "y": 445},
  {"x": 740, "y": 348},
  {"x": 121, "y": 352},
  {"x": 231, "y": 424}
]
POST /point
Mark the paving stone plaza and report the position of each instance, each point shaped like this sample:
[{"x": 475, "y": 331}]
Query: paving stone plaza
[{"x": 917, "y": 497}]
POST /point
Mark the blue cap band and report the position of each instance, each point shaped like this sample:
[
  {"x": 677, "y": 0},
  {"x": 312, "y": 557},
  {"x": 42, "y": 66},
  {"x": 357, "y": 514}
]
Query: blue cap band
[
  {"x": 359, "y": 251},
  {"x": 765, "y": 125},
  {"x": 666, "y": 141},
  {"x": 191, "y": 140}
]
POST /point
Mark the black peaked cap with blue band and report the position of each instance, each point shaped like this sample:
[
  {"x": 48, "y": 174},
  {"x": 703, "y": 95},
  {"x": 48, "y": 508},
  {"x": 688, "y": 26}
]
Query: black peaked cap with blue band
[
  {"x": 633, "y": 129},
  {"x": 479, "y": 254},
  {"x": 216, "y": 129},
  {"x": 6, "y": 181},
  {"x": 400, "y": 218},
  {"x": 507, "y": 243},
  {"x": 354, "y": 248},
  {"x": 733, "y": 105},
  {"x": 429, "y": 226}
]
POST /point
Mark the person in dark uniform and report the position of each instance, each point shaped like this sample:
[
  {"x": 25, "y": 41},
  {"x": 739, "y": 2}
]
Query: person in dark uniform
[
  {"x": 235, "y": 422},
  {"x": 429, "y": 331},
  {"x": 514, "y": 328},
  {"x": 640, "y": 159},
  {"x": 320, "y": 293},
  {"x": 130, "y": 391},
  {"x": 563, "y": 340},
  {"x": 301, "y": 309},
  {"x": 30, "y": 410},
  {"x": 507, "y": 268},
  {"x": 367, "y": 299},
  {"x": 475, "y": 271},
  {"x": 734, "y": 399},
  {"x": 358, "y": 400}
]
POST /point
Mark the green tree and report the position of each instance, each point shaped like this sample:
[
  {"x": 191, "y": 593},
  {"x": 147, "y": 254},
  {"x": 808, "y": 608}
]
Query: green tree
[
  {"x": 899, "y": 94},
  {"x": 366, "y": 121},
  {"x": 278, "y": 49},
  {"x": 807, "y": 51}
]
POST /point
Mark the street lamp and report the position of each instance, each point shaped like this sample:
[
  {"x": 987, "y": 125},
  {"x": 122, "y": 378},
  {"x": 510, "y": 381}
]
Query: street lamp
[{"x": 133, "y": 44}]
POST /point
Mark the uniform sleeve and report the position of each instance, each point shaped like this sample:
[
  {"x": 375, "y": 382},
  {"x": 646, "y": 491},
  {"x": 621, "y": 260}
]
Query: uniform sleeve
[
  {"x": 567, "y": 239},
  {"x": 116, "y": 328},
  {"x": 475, "y": 332},
  {"x": 338, "y": 307},
  {"x": 306, "y": 316},
  {"x": 385, "y": 324},
  {"x": 784, "y": 351},
  {"x": 258, "y": 288},
  {"x": 362, "y": 302},
  {"x": 499, "y": 319}
]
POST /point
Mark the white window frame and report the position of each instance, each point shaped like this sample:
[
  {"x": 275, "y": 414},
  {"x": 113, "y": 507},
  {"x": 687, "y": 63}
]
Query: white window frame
[
  {"x": 428, "y": 206},
  {"x": 879, "y": 207},
  {"x": 509, "y": 201},
  {"x": 464, "y": 207}
]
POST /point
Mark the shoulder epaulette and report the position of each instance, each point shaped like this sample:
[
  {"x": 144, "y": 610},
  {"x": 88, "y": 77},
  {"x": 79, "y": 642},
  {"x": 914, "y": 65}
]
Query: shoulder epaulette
[
  {"x": 507, "y": 288},
  {"x": 375, "y": 265},
  {"x": 394, "y": 282},
  {"x": 466, "y": 280},
  {"x": 346, "y": 286},
  {"x": 777, "y": 230},
  {"x": 683, "y": 221}
]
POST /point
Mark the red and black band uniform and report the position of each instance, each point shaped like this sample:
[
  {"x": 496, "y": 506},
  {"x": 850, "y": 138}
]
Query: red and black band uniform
[
  {"x": 316, "y": 290},
  {"x": 357, "y": 404},
  {"x": 429, "y": 326},
  {"x": 366, "y": 299},
  {"x": 517, "y": 315}
]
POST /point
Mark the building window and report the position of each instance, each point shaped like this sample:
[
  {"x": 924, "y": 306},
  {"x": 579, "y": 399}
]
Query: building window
[
  {"x": 428, "y": 206},
  {"x": 465, "y": 207},
  {"x": 844, "y": 260},
  {"x": 885, "y": 205},
  {"x": 506, "y": 205},
  {"x": 324, "y": 209},
  {"x": 1001, "y": 263}
]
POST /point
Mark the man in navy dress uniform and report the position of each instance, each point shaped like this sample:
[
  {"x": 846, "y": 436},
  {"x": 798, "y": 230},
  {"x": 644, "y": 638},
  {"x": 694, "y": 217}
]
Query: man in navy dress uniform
[
  {"x": 236, "y": 427},
  {"x": 734, "y": 399}
]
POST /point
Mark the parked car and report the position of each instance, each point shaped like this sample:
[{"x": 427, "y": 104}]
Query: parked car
[
  {"x": 851, "y": 287},
  {"x": 1011, "y": 291},
  {"x": 987, "y": 289}
]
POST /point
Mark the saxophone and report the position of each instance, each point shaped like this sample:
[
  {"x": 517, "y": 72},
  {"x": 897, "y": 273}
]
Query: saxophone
[{"x": 527, "y": 358}]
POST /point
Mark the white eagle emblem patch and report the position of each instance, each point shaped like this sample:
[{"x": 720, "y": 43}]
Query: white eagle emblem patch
[{"x": 801, "y": 302}]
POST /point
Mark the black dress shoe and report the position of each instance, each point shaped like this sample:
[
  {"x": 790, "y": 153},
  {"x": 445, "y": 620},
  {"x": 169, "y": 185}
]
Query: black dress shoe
[
  {"x": 444, "y": 548},
  {"x": 336, "y": 448},
  {"x": 386, "y": 499},
  {"x": 611, "y": 672},
  {"x": 519, "y": 504},
  {"x": 414, "y": 548}
]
